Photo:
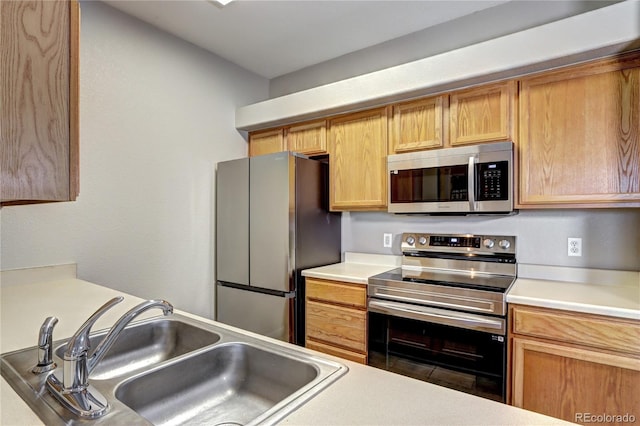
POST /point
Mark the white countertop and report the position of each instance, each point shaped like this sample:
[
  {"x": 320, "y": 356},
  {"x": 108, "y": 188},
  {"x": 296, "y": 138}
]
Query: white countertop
[
  {"x": 356, "y": 268},
  {"x": 364, "y": 395},
  {"x": 593, "y": 291}
]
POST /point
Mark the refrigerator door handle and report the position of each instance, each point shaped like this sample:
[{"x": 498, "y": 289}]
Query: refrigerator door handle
[{"x": 285, "y": 294}]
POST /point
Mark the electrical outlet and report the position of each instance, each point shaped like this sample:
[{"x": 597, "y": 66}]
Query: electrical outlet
[
  {"x": 574, "y": 246},
  {"x": 386, "y": 240}
]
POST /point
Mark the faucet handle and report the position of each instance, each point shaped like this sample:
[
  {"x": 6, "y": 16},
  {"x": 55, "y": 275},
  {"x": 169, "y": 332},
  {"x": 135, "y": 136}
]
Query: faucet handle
[
  {"x": 79, "y": 342},
  {"x": 45, "y": 346}
]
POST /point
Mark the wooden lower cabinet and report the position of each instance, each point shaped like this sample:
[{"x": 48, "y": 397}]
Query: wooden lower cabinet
[
  {"x": 574, "y": 366},
  {"x": 336, "y": 318}
]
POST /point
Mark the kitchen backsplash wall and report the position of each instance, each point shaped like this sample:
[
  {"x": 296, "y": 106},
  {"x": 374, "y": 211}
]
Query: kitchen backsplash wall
[{"x": 610, "y": 238}]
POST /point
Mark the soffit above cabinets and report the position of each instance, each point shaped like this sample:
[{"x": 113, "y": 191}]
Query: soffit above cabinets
[{"x": 594, "y": 34}]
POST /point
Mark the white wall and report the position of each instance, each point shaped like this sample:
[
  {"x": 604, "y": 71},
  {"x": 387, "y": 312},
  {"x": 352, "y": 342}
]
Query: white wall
[
  {"x": 610, "y": 237},
  {"x": 156, "y": 115}
]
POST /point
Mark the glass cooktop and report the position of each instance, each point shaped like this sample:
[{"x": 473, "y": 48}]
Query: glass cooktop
[{"x": 471, "y": 280}]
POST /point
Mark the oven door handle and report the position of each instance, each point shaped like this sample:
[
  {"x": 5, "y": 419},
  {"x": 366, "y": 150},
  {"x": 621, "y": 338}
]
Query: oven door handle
[{"x": 439, "y": 316}]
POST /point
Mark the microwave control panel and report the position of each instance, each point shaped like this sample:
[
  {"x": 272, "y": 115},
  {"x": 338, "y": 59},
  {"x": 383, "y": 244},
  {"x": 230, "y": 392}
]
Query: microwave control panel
[{"x": 493, "y": 182}]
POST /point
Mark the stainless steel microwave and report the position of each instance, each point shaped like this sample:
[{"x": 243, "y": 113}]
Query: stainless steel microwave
[{"x": 465, "y": 180}]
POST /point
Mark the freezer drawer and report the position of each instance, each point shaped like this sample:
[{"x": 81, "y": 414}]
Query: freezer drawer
[{"x": 260, "y": 313}]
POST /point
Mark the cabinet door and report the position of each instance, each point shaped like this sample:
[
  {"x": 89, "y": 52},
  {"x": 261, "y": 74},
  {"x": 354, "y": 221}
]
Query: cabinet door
[
  {"x": 483, "y": 114},
  {"x": 418, "y": 125},
  {"x": 569, "y": 383},
  {"x": 337, "y": 326},
  {"x": 266, "y": 142},
  {"x": 308, "y": 138},
  {"x": 580, "y": 136},
  {"x": 357, "y": 161},
  {"x": 39, "y": 103}
]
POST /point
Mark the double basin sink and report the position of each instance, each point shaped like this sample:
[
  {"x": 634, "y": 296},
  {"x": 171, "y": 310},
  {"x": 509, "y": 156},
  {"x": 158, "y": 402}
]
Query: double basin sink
[{"x": 177, "y": 370}]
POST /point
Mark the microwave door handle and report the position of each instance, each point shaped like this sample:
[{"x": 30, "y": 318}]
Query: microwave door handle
[{"x": 471, "y": 183}]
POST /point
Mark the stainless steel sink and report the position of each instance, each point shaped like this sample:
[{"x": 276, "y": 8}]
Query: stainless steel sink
[
  {"x": 145, "y": 344},
  {"x": 233, "y": 383},
  {"x": 177, "y": 370}
]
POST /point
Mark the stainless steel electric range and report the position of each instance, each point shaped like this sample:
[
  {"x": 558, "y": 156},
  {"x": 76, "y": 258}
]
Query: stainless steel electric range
[{"x": 442, "y": 316}]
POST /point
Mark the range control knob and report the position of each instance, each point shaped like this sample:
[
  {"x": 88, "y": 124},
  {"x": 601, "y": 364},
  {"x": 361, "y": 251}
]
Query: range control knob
[
  {"x": 488, "y": 243},
  {"x": 411, "y": 240},
  {"x": 422, "y": 241},
  {"x": 504, "y": 244}
]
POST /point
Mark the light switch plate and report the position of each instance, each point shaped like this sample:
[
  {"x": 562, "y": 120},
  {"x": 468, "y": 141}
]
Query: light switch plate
[{"x": 387, "y": 240}]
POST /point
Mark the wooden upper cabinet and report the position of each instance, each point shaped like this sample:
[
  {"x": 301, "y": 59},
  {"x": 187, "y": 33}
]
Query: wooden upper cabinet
[
  {"x": 418, "y": 125},
  {"x": 308, "y": 138},
  {"x": 483, "y": 114},
  {"x": 39, "y": 104},
  {"x": 358, "y": 161},
  {"x": 579, "y": 140},
  {"x": 266, "y": 142}
]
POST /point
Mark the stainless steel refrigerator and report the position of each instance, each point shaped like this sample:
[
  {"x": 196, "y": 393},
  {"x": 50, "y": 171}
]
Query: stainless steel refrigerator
[{"x": 272, "y": 221}]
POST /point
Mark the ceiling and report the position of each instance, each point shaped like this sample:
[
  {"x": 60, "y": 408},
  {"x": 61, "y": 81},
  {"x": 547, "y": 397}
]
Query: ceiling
[{"x": 275, "y": 37}]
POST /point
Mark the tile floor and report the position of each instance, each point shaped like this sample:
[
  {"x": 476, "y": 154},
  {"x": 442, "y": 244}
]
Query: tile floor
[{"x": 465, "y": 382}]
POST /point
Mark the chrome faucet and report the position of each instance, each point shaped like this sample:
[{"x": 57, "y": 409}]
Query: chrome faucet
[{"x": 74, "y": 390}]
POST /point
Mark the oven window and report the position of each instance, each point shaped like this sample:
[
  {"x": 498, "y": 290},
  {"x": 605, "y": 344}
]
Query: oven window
[
  {"x": 430, "y": 185},
  {"x": 466, "y": 360}
]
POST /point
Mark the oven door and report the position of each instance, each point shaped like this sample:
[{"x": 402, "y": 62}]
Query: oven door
[{"x": 448, "y": 348}]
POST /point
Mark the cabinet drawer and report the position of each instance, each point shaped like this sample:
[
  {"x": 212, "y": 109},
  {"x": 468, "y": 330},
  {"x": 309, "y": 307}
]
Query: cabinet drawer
[
  {"x": 337, "y": 292},
  {"x": 335, "y": 351},
  {"x": 336, "y": 325},
  {"x": 582, "y": 329}
]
